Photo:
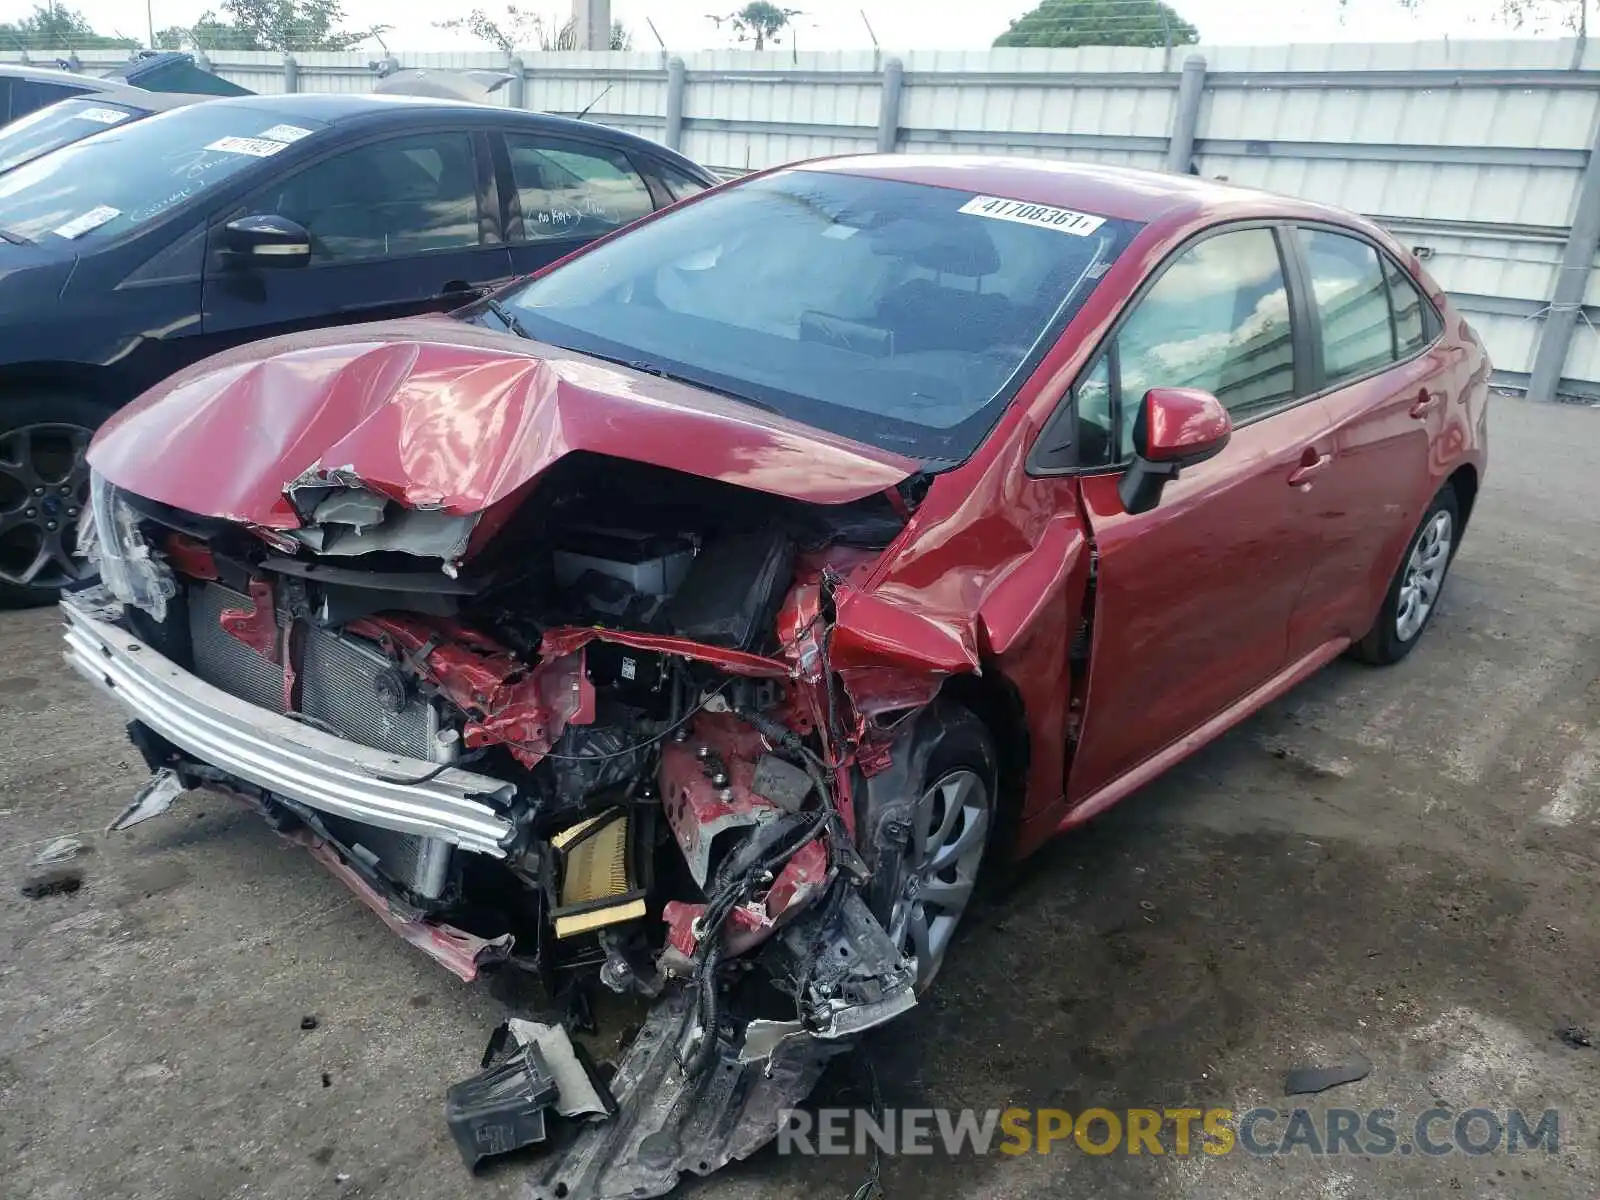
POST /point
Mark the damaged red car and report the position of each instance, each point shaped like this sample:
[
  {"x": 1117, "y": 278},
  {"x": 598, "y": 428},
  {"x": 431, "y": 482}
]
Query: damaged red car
[{"x": 703, "y": 616}]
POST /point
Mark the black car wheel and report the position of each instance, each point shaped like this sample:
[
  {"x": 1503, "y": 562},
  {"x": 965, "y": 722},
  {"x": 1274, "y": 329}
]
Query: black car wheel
[
  {"x": 44, "y": 489},
  {"x": 1413, "y": 594}
]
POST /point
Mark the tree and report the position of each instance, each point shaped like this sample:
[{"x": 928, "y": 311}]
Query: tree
[
  {"x": 1100, "y": 23},
  {"x": 52, "y": 27},
  {"x": 1535, "y": 16},
  {"x": 519, "y": 28},
  {"x": 284, "y": 25},
  {"x": 758, "y": 22}
]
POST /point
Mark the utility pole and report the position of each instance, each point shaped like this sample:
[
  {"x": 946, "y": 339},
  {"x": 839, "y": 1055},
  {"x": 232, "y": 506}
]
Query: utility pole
[
  {"x": 591, "y": 24},
  {"x": 150, "y": 20}
]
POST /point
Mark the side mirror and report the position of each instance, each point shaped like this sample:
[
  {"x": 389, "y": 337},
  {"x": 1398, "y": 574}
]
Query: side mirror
[
  {"x": 1174, "y": 428},
  {"x": 265, "y": 241}
]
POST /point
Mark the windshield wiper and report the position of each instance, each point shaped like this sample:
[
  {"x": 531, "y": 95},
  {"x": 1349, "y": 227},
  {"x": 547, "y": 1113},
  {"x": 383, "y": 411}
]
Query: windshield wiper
[
  {"x": 16, "y": 239},
  {"x": 507, "y": 318}
]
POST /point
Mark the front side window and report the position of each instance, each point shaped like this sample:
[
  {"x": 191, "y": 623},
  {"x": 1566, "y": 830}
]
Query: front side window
[
  {"x": 569, "y": 190},
  {"x": 895, "y": 313},
  {"x": 137, "y": 171},
  {"x": 1352, "y": 300},
  {"x": 390, "y": 199}
]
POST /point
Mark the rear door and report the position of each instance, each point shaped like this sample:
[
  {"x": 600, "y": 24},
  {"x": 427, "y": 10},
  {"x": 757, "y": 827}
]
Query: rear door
[
  {"x": 400, "y": 225},
  {"x": 561, "y": 193},
  {"x": 1193, "y": 598},
  {"x": 1385, "y": 384}
]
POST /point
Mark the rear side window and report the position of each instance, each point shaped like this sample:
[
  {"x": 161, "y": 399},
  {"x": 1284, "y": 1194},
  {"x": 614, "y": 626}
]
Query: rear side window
[
  {"x": 1415, "y": 324},
  {"x": 1352, "y": 299},
  {"x": 571, "y": 190},
  {"x": 30, "y": 94},
  {"x": 388, "y": 199},
  {"x": 679, "y": 185},
  {"x": 1371, "y": 312}
]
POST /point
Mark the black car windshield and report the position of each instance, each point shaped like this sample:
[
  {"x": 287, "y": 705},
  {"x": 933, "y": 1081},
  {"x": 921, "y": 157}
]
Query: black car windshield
[
  {"x": 135, "y": 171},
  {"x": 56, "y": 125},
  {"x": 893, "y": 313}
]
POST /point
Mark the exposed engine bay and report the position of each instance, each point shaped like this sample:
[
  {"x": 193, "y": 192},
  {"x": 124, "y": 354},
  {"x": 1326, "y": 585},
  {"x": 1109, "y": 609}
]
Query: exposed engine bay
[{"x": 595, "y": 737}]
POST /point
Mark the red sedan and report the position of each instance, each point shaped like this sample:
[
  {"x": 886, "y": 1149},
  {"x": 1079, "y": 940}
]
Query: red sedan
[{"x": 739, "y": 585}]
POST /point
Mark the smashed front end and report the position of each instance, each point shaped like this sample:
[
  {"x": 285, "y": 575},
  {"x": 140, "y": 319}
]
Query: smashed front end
[{"x": 594, "y": 734}]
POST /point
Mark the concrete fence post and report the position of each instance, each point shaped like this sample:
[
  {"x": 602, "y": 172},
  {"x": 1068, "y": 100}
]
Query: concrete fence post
[
  {"x": 1572, "y": 283},
  {"x": 894, "y": 85},
  {"x": 202, "y": 60},
  {"x": 677, "y": 85},
  {"x": 291, "y": 74},
  {"x": 516, "y": 90},
  {"x": 1186, "y": 120}
]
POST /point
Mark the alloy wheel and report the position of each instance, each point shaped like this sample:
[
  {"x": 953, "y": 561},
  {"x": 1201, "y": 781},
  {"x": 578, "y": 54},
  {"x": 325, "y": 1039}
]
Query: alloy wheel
[
  {"x": 947, "y": 841},
  {"x": 44, "y": 487},
  {"x": 1424, "y": 576}
]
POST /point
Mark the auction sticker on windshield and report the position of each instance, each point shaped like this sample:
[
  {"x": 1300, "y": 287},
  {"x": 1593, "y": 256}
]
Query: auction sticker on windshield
[
  {"x": 102, "y": 116},
  {"x": 255, "y": 147},
  {"x": 1062, "y": 220},
  {"x": 90, "y": 220},
  {"x": 285, "y": 133}
]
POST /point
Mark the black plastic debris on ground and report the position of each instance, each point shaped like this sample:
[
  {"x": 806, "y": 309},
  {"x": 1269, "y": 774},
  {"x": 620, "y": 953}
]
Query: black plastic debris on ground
[
  {"x": 1306, "y": 1081},
  {"x": 56, "y": 881},
  {"x": 1575, "y": 1036},
  {"x": 502, "y": 1108},
  {"x": 308, "y": 1022}
]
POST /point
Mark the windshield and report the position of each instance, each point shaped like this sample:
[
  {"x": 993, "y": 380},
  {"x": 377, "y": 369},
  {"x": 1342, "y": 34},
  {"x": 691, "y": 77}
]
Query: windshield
[
  {"x": 134, "y": 171},
  {"x": 58, "y": 125},
  {"x": 892, "y": 313}
]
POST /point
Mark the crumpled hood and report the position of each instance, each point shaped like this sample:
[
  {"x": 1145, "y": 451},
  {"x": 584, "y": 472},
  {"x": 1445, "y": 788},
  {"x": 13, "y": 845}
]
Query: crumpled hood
[{"x": 437, "y": 413}]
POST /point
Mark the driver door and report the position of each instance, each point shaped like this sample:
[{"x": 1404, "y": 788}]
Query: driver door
[
  {"x": 399, "y": 226},
  {"x": 1193, "y": 598}
]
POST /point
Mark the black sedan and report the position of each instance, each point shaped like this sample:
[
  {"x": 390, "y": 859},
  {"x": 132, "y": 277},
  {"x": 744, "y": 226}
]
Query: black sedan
[{"x": 141, "y": 249}]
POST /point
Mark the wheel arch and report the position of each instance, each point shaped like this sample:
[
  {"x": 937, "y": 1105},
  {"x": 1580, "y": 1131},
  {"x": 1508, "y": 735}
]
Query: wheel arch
[
  {"x": 1464, "y": 481},
  {"x": 995, "y": 701},
  {"x": 100, "y": 384}
]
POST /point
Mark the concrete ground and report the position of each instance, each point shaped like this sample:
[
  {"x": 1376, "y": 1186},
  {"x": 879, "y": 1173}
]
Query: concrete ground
[{"x": 1400, "y": 864}]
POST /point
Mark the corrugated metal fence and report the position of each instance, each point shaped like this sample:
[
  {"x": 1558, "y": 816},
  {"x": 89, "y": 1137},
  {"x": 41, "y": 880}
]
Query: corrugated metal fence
[{"x": 1477, "y": 153}]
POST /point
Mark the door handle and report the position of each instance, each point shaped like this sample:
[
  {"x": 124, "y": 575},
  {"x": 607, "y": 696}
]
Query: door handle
[
  {"x": 1426, "y": 402},
  {"x": 1311, "y": 463}
]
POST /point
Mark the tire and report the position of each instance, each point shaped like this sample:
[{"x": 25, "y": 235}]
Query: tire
[
  {"x": 44, "y": 487},
  {"x": 950, "y": 769},
  {"x": 1398, "y": 628}
]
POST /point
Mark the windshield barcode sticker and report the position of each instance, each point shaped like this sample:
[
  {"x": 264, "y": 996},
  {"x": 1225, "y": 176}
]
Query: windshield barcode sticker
[
  {"x": 90, "y": 220},
  {"x": 1062, "y": 220},
  {"x": 285, "y": 133},
  {"x": 255, "y": 147},
  {"x": 103, "y": 116}
]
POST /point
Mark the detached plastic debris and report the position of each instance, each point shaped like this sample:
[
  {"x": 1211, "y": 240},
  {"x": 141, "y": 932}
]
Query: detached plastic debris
[
  {"x": 502, "y": 1108},
  {"x": 1307, "y": 1081},
  {"x": 151, "y": 800},
  {"x": 56, "y": 851}
]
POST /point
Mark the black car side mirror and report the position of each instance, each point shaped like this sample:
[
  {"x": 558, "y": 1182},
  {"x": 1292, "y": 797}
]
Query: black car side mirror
[{"x": 265, "y": 240}]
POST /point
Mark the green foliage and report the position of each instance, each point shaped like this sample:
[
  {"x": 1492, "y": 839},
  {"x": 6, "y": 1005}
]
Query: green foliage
[
  {"x": 285, "y": 25},
  {"x": 1100, "y": 23},
  {"x": 520, "y": 29},
  {"x": 758, "y": 22},
  {"x": 52, "y": 27}
]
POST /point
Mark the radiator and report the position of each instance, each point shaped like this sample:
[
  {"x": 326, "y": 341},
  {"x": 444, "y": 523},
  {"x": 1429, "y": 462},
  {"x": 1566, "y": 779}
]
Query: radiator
[{"x": 337, "y": 691}]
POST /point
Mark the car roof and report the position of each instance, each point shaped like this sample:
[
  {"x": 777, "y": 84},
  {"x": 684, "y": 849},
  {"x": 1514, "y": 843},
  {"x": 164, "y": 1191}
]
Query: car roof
[
  {"x": 1125, "y": 193},
  {"x": 50, "y": 75},
  {"x": 353, "y": 109}
]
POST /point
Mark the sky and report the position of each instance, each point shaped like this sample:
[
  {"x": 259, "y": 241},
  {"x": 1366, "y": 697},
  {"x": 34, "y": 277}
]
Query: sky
[{"x": 838, "y": 24}]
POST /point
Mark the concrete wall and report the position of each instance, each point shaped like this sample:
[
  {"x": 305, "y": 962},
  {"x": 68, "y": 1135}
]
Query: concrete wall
[{"x": 1474, "y": 152}]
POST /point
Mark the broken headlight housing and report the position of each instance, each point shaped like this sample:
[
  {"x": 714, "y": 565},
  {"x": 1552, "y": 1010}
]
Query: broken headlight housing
[{"x": 110, "y": 538}]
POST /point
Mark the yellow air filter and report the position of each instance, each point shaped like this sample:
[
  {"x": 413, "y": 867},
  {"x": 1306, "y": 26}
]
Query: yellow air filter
[{"x": 595, "y": 888}]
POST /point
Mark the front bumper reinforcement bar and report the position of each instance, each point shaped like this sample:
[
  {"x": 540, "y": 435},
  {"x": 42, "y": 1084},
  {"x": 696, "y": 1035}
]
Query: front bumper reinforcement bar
[{"x": 284, "y": 756}]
